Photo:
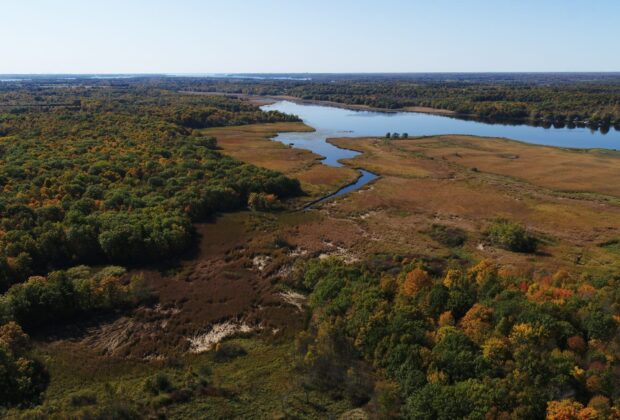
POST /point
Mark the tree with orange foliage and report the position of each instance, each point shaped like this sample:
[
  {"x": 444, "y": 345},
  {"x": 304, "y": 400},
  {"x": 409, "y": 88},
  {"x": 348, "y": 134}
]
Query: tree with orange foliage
[
  {"x": 416, "y": 280},
  {"x": 598, "y": 408},
  {"x": 564, "y": 410},
  {"x": 476, "y": 323},
  {"x": 445, "y": 319},
  {"x": 482, "y": 272}
]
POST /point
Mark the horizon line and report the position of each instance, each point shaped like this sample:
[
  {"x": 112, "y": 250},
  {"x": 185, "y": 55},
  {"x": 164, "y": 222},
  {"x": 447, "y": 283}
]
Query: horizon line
[{"x": 305, "y": 73}]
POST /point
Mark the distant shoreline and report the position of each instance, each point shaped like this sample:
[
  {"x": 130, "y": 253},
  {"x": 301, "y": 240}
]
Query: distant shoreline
[{"x": 270, "y": 99}]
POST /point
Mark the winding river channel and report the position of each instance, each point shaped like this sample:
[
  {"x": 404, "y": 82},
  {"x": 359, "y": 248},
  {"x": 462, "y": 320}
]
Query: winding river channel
[{"x": 332, "y": 122}]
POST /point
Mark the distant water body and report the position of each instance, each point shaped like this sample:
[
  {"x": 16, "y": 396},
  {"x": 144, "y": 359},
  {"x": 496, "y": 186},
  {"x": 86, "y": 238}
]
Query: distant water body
[
  {"x": 340, "y": 122},
  {"x": 75, "y": 77},
  {"x": 19, "y": 78},
  {"x": 241, "y": 76}
]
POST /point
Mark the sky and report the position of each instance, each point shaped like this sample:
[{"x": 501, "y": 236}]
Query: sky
[{"x": 297, "y": 36}]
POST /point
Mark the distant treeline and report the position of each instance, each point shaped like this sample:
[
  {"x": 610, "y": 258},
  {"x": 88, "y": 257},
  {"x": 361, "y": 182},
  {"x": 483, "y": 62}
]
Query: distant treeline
[
  {"x": 548, "y": 99},
  {"x": 559, "y": 102}
]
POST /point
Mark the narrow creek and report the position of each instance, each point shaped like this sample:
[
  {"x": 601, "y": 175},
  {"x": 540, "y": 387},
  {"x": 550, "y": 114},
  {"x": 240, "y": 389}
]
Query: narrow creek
[
  {"x": 316, "y": 142},
  {"x": 364, "y": 178}
]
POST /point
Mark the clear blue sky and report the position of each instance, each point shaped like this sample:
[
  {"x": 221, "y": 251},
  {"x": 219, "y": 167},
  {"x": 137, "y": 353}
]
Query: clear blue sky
[{"x": 192, "y": 36}]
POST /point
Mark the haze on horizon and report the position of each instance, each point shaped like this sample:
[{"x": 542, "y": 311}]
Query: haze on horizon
[{"x": 277, "y": 36}]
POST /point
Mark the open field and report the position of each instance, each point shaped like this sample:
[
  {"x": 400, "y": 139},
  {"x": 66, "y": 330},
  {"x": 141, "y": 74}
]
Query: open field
[
  {"x": 432, "y": 180},
  {"x": 570, "y": 170}
]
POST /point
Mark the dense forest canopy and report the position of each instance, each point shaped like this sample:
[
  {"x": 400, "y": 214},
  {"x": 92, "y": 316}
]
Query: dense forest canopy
[
  {"x": 462, "y": 342},
  {"x": 117, "y": 176}
]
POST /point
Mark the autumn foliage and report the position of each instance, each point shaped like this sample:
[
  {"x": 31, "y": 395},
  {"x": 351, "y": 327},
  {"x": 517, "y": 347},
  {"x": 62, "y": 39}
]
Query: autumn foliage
[
  {"x": 472, "y": 342},
  {"x": 119, "y": 179},
  {"x": 415, "y": 281}
]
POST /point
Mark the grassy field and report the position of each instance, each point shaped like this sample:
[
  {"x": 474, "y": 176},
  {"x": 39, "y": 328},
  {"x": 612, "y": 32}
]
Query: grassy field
[
  {"x": 468, "y": 181},
  {"x": 567, "y": 197},
  {"x": 570, "y": 170}
]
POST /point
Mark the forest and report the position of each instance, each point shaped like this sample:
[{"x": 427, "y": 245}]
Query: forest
[
  {"x": 119, "y": 180},
  {"x": 561, "y": 101},
  {"x": 454, "y": 341},
  {"x": 102, "y": 176}
]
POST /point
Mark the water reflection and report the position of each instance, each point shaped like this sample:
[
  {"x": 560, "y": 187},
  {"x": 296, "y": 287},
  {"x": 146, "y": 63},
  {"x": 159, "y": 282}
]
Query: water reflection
[{"x": 340, "y": 122}]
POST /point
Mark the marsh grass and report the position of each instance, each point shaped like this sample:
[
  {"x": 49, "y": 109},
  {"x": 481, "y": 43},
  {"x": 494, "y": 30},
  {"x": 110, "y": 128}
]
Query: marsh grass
[{"x": 259, "y": 384}]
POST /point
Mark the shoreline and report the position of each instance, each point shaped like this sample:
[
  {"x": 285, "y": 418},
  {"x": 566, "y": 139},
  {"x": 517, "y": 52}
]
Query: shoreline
[
  {"x": 271, "y": 99},
  {"x": 353, "y": 107}
]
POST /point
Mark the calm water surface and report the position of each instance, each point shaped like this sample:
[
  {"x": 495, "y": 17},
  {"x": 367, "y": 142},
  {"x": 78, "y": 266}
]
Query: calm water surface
[{"x": 341, "y": 122}]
